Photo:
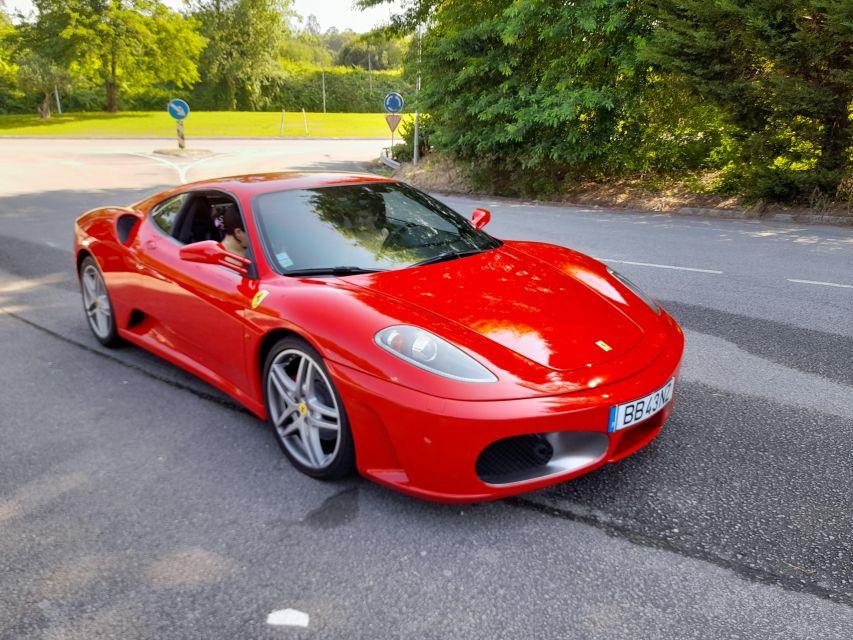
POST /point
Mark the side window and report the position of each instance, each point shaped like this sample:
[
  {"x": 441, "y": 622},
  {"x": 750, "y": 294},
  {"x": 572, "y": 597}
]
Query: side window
[{"x": 165, "y": 213}]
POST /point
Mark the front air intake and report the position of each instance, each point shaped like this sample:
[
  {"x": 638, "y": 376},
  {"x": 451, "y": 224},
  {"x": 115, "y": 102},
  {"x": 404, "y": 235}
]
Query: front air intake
[{"x": 537, "y": 455}]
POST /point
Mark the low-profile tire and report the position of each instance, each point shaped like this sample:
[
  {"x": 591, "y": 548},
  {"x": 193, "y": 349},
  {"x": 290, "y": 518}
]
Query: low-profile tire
[
  {"x": 97, "y": 303},
  {"x": 306, "y": 411}
]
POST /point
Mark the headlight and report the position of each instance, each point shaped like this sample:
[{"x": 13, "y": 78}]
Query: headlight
[
  {"x": 642, "y": 295},
  {"x": 430, "y": 353}
]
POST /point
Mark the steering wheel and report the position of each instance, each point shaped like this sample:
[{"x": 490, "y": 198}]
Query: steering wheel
[{"x": 396, "y": 234}]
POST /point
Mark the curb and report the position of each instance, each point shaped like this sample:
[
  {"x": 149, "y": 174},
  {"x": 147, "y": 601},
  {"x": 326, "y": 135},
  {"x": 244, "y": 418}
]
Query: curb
[
  {"x": 691, "y": 212},
  {"x": 745, "y": 214}
]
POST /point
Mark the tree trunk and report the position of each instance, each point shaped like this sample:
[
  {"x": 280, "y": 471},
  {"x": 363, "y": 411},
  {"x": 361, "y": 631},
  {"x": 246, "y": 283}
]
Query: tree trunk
[
  {"x": 44, "y": 107},
  {"x": 112, "y": 104},
  {"x": 112, "y": 85}
]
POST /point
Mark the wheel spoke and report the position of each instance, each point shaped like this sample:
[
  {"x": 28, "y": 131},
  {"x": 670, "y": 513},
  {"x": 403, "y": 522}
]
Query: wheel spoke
[
  {"x": 322, "y": 424},
  {"x": 280, "y": 381},
  {"x": 311, "y": 442},
  {"x": 286, "y": 412},
  {"x": 301, "y": 373},
  {"x": 318, "y": 407},
  {"x": 101, "y": 319},
  {"x": 292, "y": 428},
  {"x": 89, "y": 284}
]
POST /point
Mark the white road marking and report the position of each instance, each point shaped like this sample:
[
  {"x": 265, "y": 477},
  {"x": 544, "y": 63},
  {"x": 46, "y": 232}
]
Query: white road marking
[
  {"x": 661, "y": 266},
  {"x": 181, "y": 169},
  {"x": 823, "y": 284},
  {"x": 288, "y": 618}
]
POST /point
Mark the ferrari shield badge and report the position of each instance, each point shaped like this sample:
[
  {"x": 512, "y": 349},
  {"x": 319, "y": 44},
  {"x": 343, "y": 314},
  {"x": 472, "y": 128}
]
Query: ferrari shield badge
[{"x": 259, "y": 298}]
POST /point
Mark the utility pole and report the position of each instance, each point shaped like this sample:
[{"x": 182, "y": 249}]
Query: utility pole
[
  {"x": 416, "y": 151},
  {"x": 324, "y": 88}
]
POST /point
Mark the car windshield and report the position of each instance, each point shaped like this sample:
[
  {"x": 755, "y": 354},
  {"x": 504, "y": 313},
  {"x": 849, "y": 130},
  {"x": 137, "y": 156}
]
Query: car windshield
[{"x": 359, "y": 228}]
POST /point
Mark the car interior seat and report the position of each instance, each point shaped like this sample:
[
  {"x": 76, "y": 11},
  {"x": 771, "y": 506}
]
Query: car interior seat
[{"x": 197, "y": 224}]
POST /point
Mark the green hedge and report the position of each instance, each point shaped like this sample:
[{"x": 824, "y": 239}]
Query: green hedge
[{"x": 348, "y": 90}]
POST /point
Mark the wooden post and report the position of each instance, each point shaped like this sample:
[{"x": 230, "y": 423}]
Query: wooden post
[{"x": 182, "y": 144}]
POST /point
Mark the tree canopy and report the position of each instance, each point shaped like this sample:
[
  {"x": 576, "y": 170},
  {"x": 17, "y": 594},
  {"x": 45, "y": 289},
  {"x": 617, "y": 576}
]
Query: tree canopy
[
  {"x": 534, "y": 93},
  {"x": 117, "y": 43},
  {"x": 780, "y": 70}
]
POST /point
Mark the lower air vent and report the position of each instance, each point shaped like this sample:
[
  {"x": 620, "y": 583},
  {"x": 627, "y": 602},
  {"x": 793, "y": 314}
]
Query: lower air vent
[{"x": 537, "y": 455}]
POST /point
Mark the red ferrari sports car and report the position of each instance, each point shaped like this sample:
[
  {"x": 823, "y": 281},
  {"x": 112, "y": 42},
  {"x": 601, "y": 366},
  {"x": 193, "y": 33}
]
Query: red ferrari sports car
[{"x": 377, "y": 329}]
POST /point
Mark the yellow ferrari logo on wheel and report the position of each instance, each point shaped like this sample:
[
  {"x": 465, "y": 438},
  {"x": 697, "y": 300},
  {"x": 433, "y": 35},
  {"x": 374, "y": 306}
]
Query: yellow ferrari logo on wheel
[{"x": 303, "y": 409}]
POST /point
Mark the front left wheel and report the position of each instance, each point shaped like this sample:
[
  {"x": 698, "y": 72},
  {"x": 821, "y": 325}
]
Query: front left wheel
[
  {"x": 97, "y": 303},
  {"x": 306, "y": 411}
]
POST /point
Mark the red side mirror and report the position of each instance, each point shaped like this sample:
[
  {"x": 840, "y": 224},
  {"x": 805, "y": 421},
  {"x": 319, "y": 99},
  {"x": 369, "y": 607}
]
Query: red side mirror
[
  {"x": 480, "y": 218},
  {"x": 212, "y": 252}
]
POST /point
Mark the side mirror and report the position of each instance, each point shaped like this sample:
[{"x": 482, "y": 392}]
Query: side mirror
[
  {"x": 480, "y": 218},
  {"x": 212, "y": 252}
]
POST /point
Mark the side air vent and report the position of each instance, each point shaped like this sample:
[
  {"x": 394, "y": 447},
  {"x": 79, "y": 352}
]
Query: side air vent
[{"x": 125, "y": 226}]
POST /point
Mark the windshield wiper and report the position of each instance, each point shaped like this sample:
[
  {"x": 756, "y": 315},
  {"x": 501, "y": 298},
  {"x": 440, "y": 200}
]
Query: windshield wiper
[
  {"x": 331, "y": 271},
  {"x": 452, "y": 255}
]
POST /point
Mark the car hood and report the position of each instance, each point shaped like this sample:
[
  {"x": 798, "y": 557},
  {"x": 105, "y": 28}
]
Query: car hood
[{"x": 557, "y": 316}]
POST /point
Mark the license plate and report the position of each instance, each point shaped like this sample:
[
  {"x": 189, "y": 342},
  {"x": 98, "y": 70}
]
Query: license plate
[{"x": 625, "y": 415}]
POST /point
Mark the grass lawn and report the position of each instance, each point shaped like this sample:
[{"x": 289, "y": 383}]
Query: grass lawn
[{"x": 139, "y": 124}]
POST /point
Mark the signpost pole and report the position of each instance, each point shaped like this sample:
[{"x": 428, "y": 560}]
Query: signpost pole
[
  {"x": 179, "y": 110},
  {"x": 305, "y": 121},
  {"x": 417, "y": 141},
  {"x": 281, "y": 125},
  {"x": 324, "y": 89}
]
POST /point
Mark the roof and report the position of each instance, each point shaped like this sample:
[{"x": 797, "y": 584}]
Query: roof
[{"x": 254, "y": 184}]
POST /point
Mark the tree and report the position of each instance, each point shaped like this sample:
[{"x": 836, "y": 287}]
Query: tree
[
  {"x": 38, "y": 74},
  {"x": 244, "y": 41},
  {"x": 520, "y": 85},
  {"x": 7, "y": 34},
  {"x": 312, "y": 26},
  {"x": 117, "y": 43},
  {"x": 8, "y": 68},
  {"x": 782, "y": 70},
  {"x": 371, "y": 52},
  {"x": 334, "y": 40}
]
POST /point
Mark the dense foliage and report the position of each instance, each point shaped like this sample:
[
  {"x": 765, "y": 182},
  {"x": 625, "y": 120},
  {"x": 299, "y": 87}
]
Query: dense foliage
[
  {"x": 534, "y": 95},
  {"x": 780, "y": 71},
  {"x": 218, "y": 54}
]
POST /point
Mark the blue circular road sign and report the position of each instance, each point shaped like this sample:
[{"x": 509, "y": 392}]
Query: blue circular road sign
[
  {"x": 178, "y": 109},
  {"x": 394, "y": 102}
]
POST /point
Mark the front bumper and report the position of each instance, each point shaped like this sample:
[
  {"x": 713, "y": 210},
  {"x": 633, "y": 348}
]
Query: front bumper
[{"x": 429, "y": 447}]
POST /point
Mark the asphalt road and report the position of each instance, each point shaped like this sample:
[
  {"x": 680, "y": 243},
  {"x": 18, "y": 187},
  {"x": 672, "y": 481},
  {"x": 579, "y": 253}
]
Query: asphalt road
[{"x": 137, "y": 502}]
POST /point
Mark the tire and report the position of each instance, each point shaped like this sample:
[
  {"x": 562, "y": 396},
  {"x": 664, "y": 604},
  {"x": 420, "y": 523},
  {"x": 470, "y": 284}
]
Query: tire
[
  {"x": 306, "y": 411},
  {"x": 97, "y": 303}
]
